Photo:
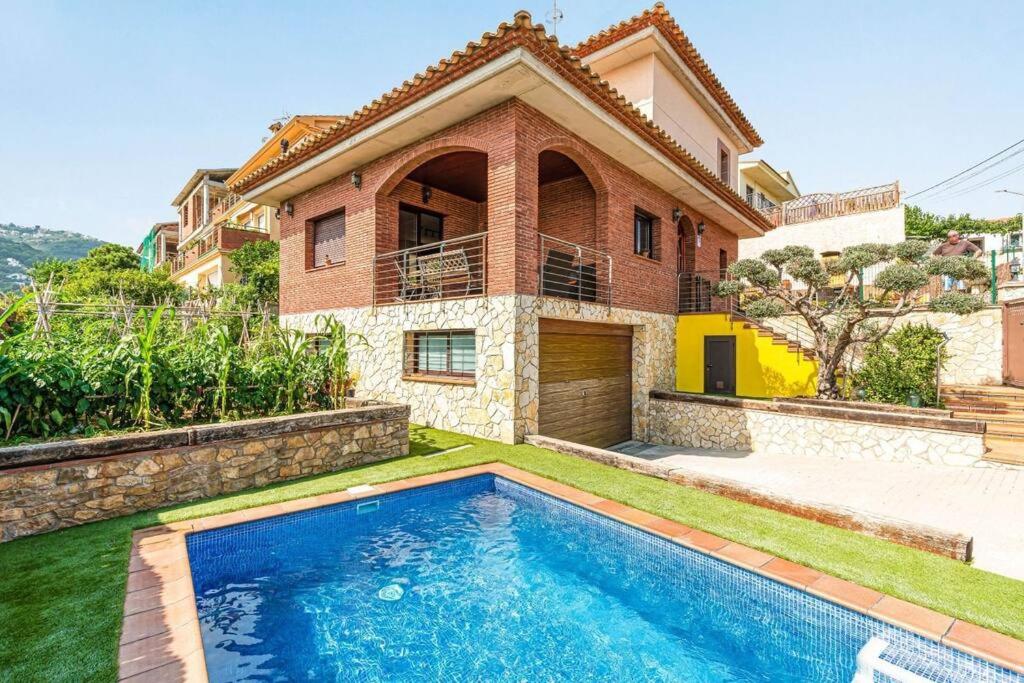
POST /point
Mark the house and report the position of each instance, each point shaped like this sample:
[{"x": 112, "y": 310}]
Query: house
[
  {"x": 829, "y": 222},
  {"x": 215, "y": 221},
  {"x": 516, "y": 229},
  {"x": 763, "y": 187},
  {"x": 158, "y": 246}
]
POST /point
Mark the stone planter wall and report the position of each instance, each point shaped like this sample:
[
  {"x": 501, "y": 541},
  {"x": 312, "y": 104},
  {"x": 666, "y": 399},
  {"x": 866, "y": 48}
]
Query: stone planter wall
[
  {"x": 974, "y": 351},
  {"x": 44, "y": 487},
  {"x": 778, "y": 427}
]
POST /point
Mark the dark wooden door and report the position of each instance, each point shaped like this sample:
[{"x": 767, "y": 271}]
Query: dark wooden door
[
  {"x": 719, "y": 365},
  {"x": 1013, "y": 343},
  {"x": 586, "y": 380}
]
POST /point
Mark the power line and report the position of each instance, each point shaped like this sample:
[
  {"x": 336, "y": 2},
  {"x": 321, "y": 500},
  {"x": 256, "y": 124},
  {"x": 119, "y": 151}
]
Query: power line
[
  {"x": 985, "y": 183},
  {"x": 953, "y": 177},
  {"x": 939, "y": 194}
]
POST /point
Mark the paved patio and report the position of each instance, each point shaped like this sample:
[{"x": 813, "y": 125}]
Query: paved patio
[{"x": 985, "y": 503}]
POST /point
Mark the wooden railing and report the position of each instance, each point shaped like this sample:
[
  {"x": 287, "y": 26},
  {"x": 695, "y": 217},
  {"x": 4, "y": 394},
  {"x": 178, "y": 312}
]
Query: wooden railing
[{"x": 816, "y": 207}]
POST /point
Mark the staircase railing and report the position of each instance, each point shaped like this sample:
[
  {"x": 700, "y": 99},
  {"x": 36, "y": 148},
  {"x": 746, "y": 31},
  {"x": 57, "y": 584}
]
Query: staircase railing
[{"x": 696, "y": 293}]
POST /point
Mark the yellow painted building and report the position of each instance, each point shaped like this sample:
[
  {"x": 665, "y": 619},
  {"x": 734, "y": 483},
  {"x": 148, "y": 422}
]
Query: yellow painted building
[{"x": 764, "y": 366}]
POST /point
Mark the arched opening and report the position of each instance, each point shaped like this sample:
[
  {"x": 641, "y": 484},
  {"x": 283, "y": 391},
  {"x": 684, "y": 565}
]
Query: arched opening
[
  {"x": 567, "y": 204},
  {"x": 435, "y": 230},
  {"x": 694, "y": 287}
]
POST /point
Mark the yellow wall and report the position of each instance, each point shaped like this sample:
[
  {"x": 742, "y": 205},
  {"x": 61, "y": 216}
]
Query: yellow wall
[{"x": 763, "y": 369}]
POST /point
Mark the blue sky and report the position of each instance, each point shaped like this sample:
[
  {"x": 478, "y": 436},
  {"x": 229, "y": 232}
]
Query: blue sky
[{"x": 107, "y": 108}]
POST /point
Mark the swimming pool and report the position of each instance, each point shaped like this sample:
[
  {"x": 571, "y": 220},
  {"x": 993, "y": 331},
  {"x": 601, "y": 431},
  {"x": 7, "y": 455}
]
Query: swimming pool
[{"x": 483, "y": 578}]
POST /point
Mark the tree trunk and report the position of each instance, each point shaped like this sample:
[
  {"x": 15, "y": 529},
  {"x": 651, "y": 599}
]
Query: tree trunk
[{"x": 828, "y": 384}]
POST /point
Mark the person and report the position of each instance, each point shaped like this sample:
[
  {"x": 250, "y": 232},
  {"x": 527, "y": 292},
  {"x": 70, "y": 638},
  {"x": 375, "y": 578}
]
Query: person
[{"x": 954, "y": 246}]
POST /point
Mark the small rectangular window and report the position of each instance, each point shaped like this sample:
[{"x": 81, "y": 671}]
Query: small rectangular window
[
  {"x": 724, "y": 162},
  {"x": 447, "y": 353},
  {"x": 328, "y": 240},
  {"x": 643, "y": 234}
]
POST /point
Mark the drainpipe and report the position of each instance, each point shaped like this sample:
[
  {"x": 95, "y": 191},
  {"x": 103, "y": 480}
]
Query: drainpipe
[{"x": 938, "y": 369}]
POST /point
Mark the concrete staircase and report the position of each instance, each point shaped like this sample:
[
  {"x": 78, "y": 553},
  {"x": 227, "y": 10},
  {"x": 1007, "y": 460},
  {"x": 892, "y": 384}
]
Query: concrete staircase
[{"x": 1002, "y": 408}]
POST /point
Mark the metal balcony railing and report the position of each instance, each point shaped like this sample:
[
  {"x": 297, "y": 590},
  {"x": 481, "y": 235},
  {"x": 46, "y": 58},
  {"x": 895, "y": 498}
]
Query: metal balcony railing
[
  {"x": 452, "y": 269},
  {"x": 574, "y": 272}
]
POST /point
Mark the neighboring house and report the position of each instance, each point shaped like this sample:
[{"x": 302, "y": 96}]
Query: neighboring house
[
  {"x": 158, "y": 246},
  {"x": 215, "y": 221},
  {"x": 513, "y": 236},
  {"x": 830, "y": 222},
  {"x": 763, "y": 187}
]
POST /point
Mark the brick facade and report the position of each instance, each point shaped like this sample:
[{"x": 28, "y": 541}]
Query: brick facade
[{"x": 512, "y": 135}]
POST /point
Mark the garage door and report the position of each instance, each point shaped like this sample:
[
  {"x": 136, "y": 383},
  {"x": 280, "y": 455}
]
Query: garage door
[{"x": 586, "y": 382}]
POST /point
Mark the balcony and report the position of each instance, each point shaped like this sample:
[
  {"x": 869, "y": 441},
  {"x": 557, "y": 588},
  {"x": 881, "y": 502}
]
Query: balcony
[
  {"x": 816, "y": 207},
  {"x": 222, "y": 238},
  {"x": 574, "y": 272},
  {"x": 452, "y": 269}
]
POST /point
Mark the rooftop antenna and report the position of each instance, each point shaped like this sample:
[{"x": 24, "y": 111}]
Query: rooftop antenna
[{"x": 555, "y": 16}]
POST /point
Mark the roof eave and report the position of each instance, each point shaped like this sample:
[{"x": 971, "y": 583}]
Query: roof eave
[{"x": 516, "y": 73}]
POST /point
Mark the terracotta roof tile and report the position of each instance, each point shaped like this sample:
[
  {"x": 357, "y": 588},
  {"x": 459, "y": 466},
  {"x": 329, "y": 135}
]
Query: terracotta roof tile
[
  {"x": 521, "y": 33},
  {"x": 660, "y": 18}
]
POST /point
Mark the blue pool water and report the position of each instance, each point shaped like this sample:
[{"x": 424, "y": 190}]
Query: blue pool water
[{"x": 483, "y": 579}]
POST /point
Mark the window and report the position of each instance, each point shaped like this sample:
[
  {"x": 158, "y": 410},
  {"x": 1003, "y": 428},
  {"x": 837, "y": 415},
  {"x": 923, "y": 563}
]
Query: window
[
  {"x": 643, "y": 234},
  {"x": 447, "y": 353},
  {"x": 750, "y": 195},
  {"x": 328, "y": 240},
  {"x": 417, "y": 228},
  {"x": 724, "y": 162}
]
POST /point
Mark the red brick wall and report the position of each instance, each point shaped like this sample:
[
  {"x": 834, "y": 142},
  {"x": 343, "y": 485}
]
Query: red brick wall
[
  {"x": 567, "y": 210},
  {"x": 462, "y": 216},
  {"x": 512, "y": 135}
]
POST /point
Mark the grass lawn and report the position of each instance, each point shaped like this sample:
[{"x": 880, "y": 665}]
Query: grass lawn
[{"x": 61, "y": 593}]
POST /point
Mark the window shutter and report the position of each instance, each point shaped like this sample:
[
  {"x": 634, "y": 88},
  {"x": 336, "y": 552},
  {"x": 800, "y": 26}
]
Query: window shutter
[{"x": 329, "y": 240}]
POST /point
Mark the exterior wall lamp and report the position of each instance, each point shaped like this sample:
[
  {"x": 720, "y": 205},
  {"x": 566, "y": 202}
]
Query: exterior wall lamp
[
  {"x": 284, "y": 145},
  {"x": 677, "y": 215},
  {"x": 357, "y": 180},
  {"x": 289, "y": 209},
  {"x": 700, "y": 231},
  {"x": 427, "y": 192}
]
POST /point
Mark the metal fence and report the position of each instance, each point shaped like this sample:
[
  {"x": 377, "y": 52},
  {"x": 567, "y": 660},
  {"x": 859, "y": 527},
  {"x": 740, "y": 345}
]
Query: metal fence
[
  {"x": 572, "y": 271},
  {"x": 452, "y": 269}
]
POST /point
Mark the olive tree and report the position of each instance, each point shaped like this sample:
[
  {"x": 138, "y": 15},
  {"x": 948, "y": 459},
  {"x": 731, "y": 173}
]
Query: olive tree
[{"x": 841, "y": 321}]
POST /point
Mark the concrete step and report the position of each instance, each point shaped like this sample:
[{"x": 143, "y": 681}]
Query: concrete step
[
  {"x": 980, "y": 390},
  {"x": 991, "y": 416},
  {"x": 1006, "y": 451}
]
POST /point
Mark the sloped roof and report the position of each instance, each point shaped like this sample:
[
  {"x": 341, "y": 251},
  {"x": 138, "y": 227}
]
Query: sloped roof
[
  {"x": 522, "y": 33},
  {"x": 659, "y": 18},
  {"x": 217, "y": 174}
]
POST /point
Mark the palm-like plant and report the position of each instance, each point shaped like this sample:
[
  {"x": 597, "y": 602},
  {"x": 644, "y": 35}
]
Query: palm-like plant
[{"x": 336, "y": 354}]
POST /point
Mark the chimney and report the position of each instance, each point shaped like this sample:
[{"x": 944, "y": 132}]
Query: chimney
[{"x": 275, "y": 126}]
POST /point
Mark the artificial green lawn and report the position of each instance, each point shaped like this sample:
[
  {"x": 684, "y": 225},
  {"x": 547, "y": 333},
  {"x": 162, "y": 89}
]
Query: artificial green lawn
[{"x": 61, "y": 594}]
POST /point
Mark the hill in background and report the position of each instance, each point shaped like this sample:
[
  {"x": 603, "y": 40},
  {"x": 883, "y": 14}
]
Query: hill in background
[{"x": 22, "y": 246}]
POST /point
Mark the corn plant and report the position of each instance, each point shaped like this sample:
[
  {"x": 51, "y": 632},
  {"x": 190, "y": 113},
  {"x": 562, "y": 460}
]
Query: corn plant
[
  {"x": 338, "y": 340},
  {"x": 143, "y": 341},
  {"x": 224, "y": 345},
  {"x": 293, "y": 347}
]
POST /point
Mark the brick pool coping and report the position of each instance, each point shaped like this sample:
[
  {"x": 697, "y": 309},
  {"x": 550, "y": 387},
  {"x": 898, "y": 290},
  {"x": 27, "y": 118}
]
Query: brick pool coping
[{"x": 160, "y": 638}]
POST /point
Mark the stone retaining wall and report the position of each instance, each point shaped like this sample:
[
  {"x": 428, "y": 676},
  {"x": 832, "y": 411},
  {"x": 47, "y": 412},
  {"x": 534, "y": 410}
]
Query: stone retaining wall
[
  {"x": 50, "y": 486},
  {"x": 775, "y": 427}
]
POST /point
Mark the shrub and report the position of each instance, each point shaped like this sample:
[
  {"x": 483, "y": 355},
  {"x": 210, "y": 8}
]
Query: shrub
[{"x": 901, "y": 363}]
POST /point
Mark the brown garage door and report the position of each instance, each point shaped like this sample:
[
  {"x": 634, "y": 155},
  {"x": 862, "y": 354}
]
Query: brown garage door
[{"x": 586, "y": 382}]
